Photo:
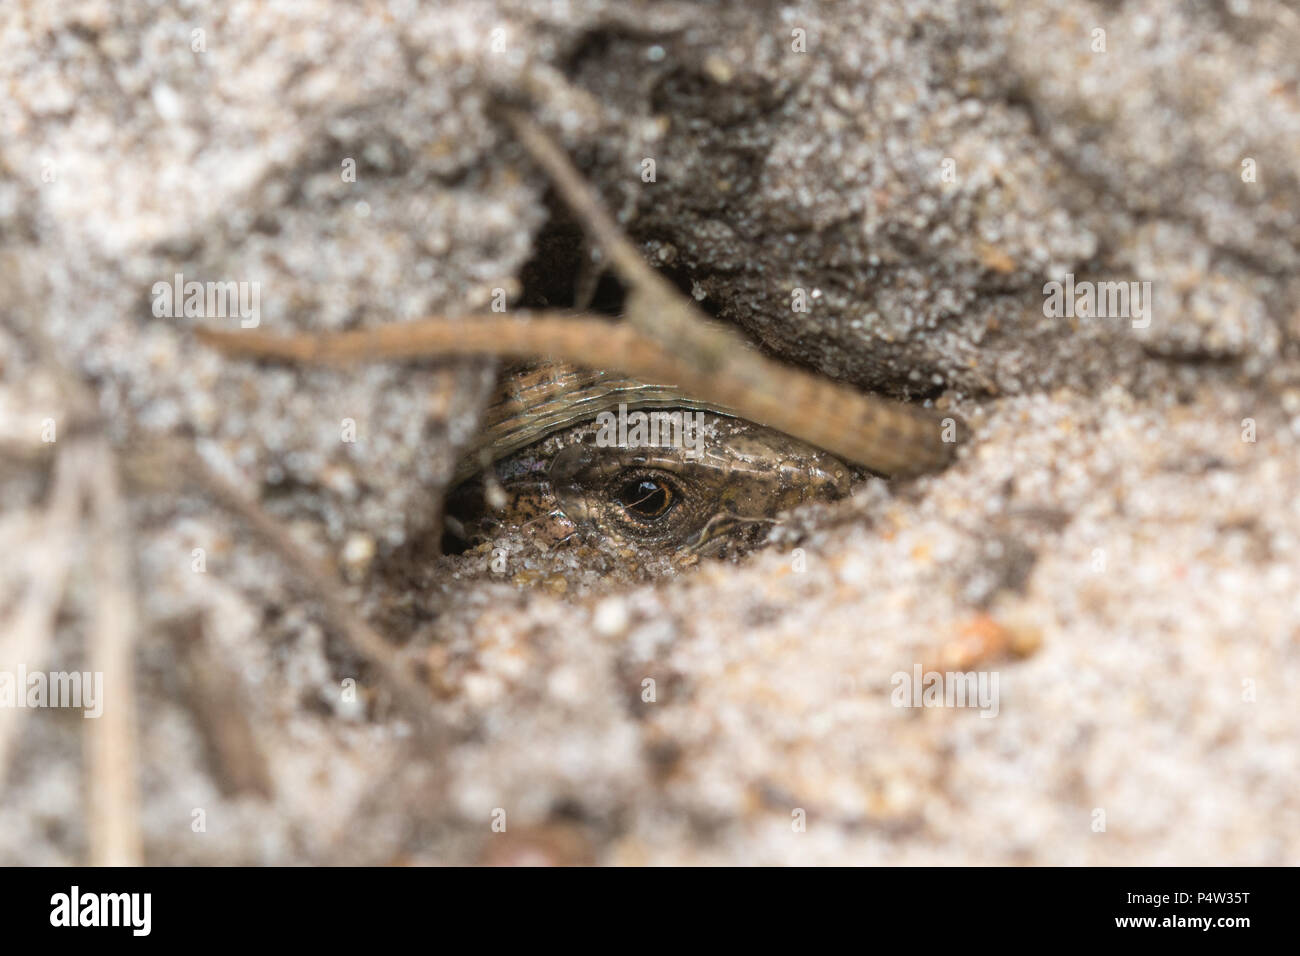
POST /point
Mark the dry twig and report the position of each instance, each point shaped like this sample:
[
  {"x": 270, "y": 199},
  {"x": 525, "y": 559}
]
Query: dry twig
[
  {"x": 214, "y": 692},
  {"x": 886, "y": 436},
  {"x": 664, "y": 339},
  {"x": 28, "y": 632},
  {"x": 111, "y": 739}
]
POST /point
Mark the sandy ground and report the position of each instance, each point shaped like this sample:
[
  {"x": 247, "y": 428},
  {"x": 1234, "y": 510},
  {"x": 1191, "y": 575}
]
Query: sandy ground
[{"x": 1116, "y": 552}]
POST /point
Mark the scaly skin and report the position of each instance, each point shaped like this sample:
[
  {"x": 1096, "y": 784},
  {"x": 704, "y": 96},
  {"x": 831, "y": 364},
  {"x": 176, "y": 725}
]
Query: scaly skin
[{"x": 716, "y": 498}]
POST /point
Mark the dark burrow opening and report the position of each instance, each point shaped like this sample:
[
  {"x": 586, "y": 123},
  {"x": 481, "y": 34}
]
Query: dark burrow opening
[{"x": 561, "y": 274}]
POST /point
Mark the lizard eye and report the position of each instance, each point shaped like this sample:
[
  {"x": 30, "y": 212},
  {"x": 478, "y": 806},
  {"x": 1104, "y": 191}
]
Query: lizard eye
[
  {"x": 647, "y": 497},
  {"x": 641, "y": 502}
]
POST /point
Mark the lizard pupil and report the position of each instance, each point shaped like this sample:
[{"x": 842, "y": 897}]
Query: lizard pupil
[{"x": 646, "y": 498}]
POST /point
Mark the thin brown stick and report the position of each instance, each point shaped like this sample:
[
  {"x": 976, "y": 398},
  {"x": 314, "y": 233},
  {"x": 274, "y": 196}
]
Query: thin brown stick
[
  {"x": 664, "y": 339},
  {"x": 216, "y": 695},
  {"x": 578, "y": 340},
  {"x": 587, "y": 207},
  {"x": 885, "y": 436},
  {"x": 882, "y": 435},
  {"x": 27, "y": 633},
  {"x": 114, "y": 825},
  {"x": 86, "y": 474}
]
